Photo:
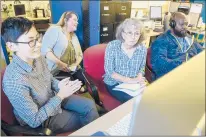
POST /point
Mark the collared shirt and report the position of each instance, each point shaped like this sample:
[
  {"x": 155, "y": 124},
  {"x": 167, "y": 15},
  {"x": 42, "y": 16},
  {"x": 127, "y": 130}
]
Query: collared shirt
[
  {"x": 183, "y": 42},
  {"x": 31, "y": 91},
  {"x": 56, "y": 41},
  {"x": 117, "y": 61}
]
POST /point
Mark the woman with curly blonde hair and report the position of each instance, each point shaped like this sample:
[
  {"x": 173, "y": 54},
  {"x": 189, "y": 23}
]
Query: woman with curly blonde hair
[{"x": 62, "y": 49}]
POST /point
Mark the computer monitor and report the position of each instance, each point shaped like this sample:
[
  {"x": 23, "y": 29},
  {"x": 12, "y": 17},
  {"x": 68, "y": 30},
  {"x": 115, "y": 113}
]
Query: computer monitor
[
  {"x": 193, "y": 19},
  {"x": 194, "y": 14},
  {"x": 196, "y": 8},
  {"x": 19, "y": 10},
  {"x": 174, "y": 104},
  {"x": 155, "y": 12},
  {"x": 184, "y": 9}
]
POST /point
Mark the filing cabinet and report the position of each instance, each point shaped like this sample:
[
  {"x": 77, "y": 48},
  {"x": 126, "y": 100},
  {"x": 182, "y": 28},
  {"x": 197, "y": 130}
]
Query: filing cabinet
[
  {"x": 123, "y": 11},
  {"x": 107, "y": 12},
  {"x": 106, "y": 33},
  {"x": 104, "y": 17}
]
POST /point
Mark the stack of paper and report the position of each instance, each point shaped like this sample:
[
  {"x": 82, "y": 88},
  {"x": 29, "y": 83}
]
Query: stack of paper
[{"x": 133, "y": 89}]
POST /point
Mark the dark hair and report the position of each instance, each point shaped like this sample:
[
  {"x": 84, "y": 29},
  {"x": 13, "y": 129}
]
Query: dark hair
[{"x": 13, "y": 27}]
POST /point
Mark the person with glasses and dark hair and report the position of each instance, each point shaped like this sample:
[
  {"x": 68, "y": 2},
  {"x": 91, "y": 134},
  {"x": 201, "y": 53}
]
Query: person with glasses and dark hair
[
  {"x": 38, "y": 98},
  {"x": 125, "y": 58},
  {"x": 62, "y": 49}
]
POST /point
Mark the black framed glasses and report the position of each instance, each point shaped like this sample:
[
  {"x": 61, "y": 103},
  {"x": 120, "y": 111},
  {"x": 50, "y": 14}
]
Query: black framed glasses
[{"x": 32, "y": 43}]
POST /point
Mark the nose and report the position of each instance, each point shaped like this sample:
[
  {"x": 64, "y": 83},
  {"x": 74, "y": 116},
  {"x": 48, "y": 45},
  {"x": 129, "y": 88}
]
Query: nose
[
  {"x": 133, "y": 36},
  {"x": 38, "y": 44}
]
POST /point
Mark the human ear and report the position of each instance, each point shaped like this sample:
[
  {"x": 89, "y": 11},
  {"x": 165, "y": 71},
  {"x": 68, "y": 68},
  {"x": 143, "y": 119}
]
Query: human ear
[
  {"x": 12, "y": 46},
  {"x": 123, "y": 36},
  {"x": 65, "y": 21}
]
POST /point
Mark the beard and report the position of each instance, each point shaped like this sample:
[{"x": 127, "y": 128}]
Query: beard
[{"x": 180, "y": 33}]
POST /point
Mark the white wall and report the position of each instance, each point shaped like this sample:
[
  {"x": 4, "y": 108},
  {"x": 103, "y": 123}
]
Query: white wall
[{"x": 140, "y": 4}]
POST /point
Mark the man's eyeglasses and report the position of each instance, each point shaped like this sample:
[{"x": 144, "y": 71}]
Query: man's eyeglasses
[
  {"x": 130, "y": 34},
  {"x": 32, "y": 43}
]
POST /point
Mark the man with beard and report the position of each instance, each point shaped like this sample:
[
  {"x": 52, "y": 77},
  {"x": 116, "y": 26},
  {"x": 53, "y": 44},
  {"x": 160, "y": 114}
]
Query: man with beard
[{"x": 173, "y": 47}]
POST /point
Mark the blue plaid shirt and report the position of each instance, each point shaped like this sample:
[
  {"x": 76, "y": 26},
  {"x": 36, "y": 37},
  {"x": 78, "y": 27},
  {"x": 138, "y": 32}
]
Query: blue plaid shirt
[
  {"x": 117, "y": 61},
  {"x": 31, "y": 91}
]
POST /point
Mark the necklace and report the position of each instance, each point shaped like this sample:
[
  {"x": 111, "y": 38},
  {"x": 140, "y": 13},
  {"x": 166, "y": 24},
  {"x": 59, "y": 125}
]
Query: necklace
[{"x": 190, "y": 45}]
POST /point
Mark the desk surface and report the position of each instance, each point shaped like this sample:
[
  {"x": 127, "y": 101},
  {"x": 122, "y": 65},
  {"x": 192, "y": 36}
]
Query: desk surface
[
  {"x": 106, "y": 121},
  {"x": 153, "y": 33}
]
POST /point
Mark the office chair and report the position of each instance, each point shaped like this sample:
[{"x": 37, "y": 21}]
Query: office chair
[
  {"x": 94, "y": 70},
  {"x": 149, "y": 74},
  {"x": 10, "y": 125}
]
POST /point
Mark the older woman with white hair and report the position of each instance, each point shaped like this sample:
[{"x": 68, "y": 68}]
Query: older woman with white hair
[{"x": 125, "y": 58}]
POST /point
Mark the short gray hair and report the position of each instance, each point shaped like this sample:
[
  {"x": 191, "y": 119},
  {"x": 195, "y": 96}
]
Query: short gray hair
[{"x": 129, "y": 22}]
